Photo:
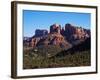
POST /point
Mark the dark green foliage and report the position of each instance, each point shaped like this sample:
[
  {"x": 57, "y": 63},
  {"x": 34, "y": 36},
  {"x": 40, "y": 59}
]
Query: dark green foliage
[{"x": 45, "y": 57}]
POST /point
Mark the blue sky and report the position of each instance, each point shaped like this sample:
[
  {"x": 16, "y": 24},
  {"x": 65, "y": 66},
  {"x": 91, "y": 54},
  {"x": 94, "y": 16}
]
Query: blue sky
[{"x": 33, "y": 20}]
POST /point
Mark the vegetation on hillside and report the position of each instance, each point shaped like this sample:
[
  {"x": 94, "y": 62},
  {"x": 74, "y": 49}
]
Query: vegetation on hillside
[{"x": 46, "y": 57}]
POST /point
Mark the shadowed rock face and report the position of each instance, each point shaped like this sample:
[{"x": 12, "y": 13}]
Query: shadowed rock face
[
  {"x": 83, "y": 46},
  {"x": 39, "y": 33},
  {"x": 65, "y": 38}
]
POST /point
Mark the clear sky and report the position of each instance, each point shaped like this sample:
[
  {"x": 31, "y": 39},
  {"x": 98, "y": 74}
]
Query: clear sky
[{"x": 33, "y": 20}]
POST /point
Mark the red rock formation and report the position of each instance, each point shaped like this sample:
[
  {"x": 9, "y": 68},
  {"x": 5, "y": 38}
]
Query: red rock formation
[
  {"x": 57, "y": 36},
  {"x": 39, "y": 33},
  {"x": 33, "y": 42},
  {"x": 62, "y": 31},
  {"x": 73, "y": 33},
  {"x": 55, "y": 28}
]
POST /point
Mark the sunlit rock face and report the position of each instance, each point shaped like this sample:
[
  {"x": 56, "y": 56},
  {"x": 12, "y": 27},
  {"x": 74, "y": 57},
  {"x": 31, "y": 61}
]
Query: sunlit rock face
[
  {"x": 64, "y": 37},
  {"x": 55, "y": 28},
  {"x": 75, "y": 34}
]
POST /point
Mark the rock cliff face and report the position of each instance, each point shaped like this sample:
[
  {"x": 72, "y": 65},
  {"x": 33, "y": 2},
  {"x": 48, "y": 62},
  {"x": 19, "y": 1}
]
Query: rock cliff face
[
  {"x": 55, "y": 28},
  {"x": 75, "y": 34},
  {"x": 39, "y": 33},
  {"x": 65, "y": 38},
  {"x": 54, "y": 39}
]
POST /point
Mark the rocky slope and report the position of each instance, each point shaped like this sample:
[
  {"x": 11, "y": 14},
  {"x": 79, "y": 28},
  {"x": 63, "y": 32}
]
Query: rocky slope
[{"x": 64, "y": 37}]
